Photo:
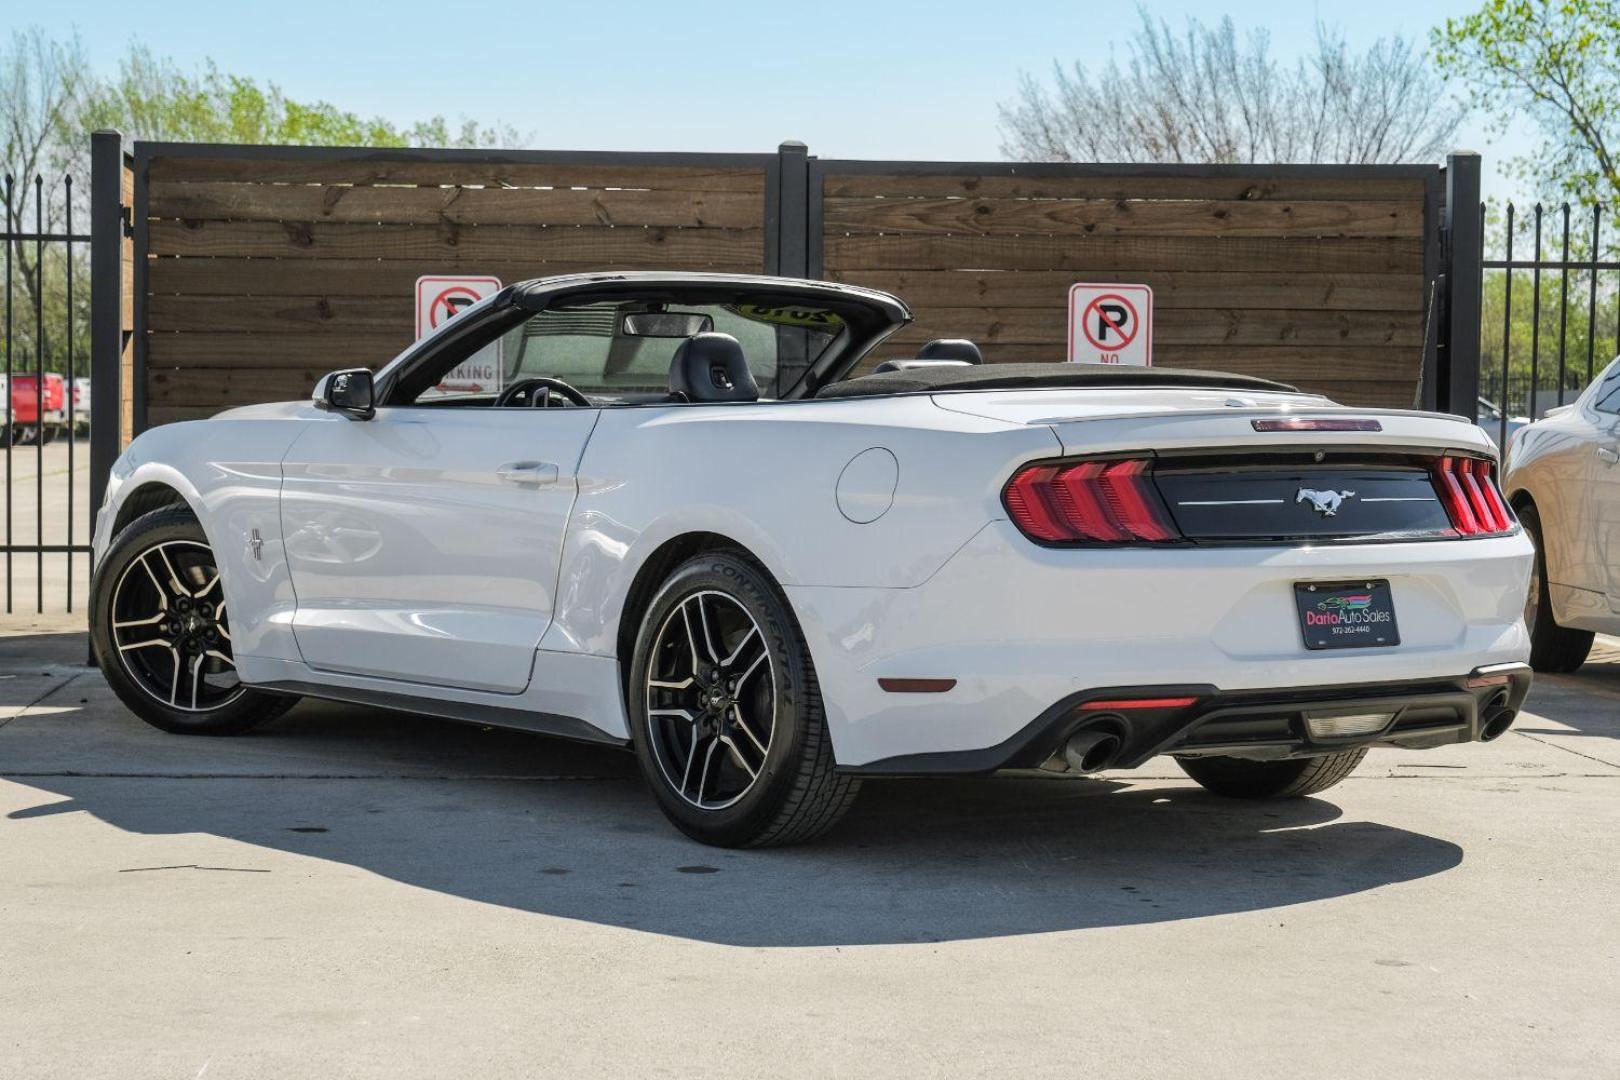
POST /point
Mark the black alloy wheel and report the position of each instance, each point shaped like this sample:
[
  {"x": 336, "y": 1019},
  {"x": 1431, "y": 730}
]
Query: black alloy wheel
[
  {"x": 726, "y": 714},
  {"x": 160, "y": 627}
]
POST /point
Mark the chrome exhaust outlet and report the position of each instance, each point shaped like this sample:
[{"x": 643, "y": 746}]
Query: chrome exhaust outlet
[
  {"x": 1495, "y": 722},
  {"x": 1091, "y": 750}
]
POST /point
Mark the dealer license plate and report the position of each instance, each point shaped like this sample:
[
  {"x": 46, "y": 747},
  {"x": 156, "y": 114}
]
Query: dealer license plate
[{"x": 1346, "y": 614}]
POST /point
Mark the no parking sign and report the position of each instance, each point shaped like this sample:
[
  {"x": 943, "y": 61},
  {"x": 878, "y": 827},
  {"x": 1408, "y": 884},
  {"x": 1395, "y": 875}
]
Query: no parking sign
[
  {"x": 1111, "y": 324},
  {"x": 440, "y": 298}
]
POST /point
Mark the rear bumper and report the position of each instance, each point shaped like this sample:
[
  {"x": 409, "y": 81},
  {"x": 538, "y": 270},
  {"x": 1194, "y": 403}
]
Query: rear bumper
[
  {"x": 1257, "y": 724},
  {"x": 1020, "y": 629}
]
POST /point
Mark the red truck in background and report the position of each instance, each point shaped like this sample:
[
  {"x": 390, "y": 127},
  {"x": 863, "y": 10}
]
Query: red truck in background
[{"x": 26, "y": 425}]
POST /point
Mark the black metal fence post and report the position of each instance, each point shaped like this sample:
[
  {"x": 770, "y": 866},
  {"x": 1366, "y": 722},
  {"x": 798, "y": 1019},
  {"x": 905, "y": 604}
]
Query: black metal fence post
[
  {"x": 106, "y": 309},
  {"x": 1464, "y": 255},
  {"x": 793, "y": 210}
]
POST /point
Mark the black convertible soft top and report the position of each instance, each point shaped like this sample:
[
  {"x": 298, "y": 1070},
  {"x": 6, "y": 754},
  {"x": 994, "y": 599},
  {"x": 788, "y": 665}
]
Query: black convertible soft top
[{"x": 923, "y": 380}]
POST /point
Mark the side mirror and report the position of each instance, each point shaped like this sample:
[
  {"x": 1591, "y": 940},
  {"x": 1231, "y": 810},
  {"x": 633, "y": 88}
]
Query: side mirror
[{"x": 349, "y": 392}]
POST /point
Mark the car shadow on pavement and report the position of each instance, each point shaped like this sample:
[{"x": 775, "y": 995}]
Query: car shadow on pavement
[{"x": 538, "y": 825}]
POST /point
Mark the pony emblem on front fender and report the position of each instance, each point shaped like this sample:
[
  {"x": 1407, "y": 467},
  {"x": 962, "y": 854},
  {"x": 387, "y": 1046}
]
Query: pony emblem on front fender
[{"x": 1326, "y": 503}]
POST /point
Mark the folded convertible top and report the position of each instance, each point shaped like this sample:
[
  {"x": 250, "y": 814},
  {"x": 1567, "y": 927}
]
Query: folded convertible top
[{"x": 1027, "y": 376}]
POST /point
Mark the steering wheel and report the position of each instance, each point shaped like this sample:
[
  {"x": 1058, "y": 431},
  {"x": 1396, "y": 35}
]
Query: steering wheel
[{"x": 537, "y": 392}]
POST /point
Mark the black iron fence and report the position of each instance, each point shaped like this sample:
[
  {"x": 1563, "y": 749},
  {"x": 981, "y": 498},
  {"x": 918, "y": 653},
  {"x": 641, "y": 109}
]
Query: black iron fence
[
  {"x": 46, "y": 389},
  {"x": 1550, "y": 315}
]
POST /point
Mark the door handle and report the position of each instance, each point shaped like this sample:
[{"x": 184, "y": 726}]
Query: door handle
[
  {"x": 1610, "y": 454},
  {"x": 528, "y": 473}
]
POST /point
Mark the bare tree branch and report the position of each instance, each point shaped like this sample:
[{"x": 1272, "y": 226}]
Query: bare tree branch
[{"x": 1209, "y": 95}]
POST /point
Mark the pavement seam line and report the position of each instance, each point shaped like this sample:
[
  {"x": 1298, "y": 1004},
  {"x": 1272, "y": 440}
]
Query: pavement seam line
[{"x": 1567, "y": 750}]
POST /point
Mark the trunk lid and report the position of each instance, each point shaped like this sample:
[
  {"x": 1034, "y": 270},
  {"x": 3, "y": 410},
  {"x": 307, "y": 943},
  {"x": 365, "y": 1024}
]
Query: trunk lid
[
  {"x": 1099, "y": 420},
  {"x": 1224, "y": 475}
]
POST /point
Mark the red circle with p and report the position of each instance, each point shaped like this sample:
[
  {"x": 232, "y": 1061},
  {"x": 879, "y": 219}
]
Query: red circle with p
[
  {"x": 450, "y": 303},
  {"x": 1109, "y": 312}
]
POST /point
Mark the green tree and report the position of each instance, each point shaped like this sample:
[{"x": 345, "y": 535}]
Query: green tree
[
  {"x": 1557, "y": 62},
  {"x": 1531, "y": 321},
  {"x": 151, "y": 98},
  {"x": 51, "y": 100},
  {"x": 42, "y": 86}
]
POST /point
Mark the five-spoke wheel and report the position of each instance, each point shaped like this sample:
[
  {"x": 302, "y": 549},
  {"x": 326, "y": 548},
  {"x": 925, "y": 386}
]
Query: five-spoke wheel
[
  {"x": 169, "y": 627},
  {"x": 711, "y": 700},
  {"x": 162, "y": 633},
  {"x": 725, "y": 712}
]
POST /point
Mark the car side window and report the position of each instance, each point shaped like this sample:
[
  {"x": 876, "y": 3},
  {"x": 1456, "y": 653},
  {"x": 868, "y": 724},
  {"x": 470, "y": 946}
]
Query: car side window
[
  {"x": 1606, "y": 396},
  {"x": 588, "y": 347},
  {"x": 613, "y": 350}
]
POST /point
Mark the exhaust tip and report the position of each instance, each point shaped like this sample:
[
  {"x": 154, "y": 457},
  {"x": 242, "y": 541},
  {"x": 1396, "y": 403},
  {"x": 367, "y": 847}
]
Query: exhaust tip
[
  {"x": 1092, "y": 750},
  {"x": 1495, "y": 723}
]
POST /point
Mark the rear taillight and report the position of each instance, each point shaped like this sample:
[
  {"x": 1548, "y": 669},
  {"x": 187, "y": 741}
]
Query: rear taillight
[
  {"x": 1089, "y": 502},
  {"x": 1467, "y": 487}
]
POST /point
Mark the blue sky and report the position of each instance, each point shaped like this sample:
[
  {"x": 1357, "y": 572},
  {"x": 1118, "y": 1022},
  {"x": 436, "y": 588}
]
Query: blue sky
[{"x": 850, "y": 79}]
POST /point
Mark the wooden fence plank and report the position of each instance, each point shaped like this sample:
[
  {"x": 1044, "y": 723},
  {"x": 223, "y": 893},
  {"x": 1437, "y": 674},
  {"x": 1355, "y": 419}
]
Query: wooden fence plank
[
  {"x": 451, "y": 246},
  {"x": 298, "y": 170},
  {"x": 355, "y": 277},
  {"x": 1346, "y": 362},
  {"x": 1176, "y": 326},
  {"x": 326, "y": 352},
  {"x": 221, "y": 389},
  {"x": 1373, "y": 394},
  {"x": 844, "y": 254},
  {"x": 1121, "y": 187},
  {"x": 175, "y": 414},
  {"x": 1009, "y": 217},
  {"x": 281, "y": 314},
  {"x": 930, "y": 288},
  {"x": 467, "y": 206},
  {"x": 1171, "y": 288},
  {"x": 1238, "y": 326}
]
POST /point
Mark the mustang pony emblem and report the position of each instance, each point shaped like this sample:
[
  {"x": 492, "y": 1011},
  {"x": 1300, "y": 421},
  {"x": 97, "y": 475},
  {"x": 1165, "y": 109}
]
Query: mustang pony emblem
[{"x": 1326, "y": 503}]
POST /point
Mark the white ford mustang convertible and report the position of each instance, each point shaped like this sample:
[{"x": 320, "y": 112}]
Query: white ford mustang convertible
[{"x": 672, "y": 523}]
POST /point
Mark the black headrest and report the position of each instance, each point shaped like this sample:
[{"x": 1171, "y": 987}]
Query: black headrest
[
  {"x": 951, "y": 349},
  {"x": 711, "y": 367}
]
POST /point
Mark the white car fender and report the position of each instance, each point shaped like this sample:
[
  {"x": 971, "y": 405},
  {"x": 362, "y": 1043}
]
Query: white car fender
[
  {"x": 788, "y": 461},
  {"x": 229, "y": 473}
]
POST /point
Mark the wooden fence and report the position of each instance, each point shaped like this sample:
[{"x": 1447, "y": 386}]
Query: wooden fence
[
  {"x": 257, "y": 269},
  {"x": 1312, "y": 276},
  {"x": 267, "y": 267}
]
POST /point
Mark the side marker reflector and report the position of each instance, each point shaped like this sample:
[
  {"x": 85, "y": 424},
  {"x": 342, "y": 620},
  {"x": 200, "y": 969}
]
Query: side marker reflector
[{"x": 916, "y": 686}]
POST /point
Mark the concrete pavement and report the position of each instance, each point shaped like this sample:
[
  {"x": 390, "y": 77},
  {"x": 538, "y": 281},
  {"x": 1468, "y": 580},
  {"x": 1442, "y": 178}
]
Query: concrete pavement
[{"x": 351, "y": 892}]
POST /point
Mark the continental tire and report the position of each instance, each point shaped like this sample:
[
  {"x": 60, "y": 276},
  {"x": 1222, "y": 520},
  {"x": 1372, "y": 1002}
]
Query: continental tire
[{"x": 725, "y": 711}]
